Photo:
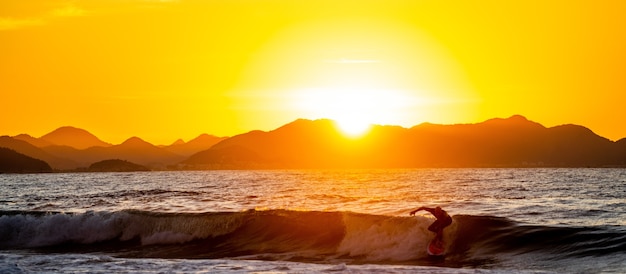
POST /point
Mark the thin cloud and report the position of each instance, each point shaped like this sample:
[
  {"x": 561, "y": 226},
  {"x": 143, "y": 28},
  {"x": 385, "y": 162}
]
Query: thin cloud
[
  {"x": 352, "y": 61},
  {"x": 68, "y": 11},
  {"x": 43, "y": 12},
  {"x": 8, "y": 23}
]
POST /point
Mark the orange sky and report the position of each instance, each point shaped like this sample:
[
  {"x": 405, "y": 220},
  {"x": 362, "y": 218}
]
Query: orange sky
[{"x": 163, "y": 70}]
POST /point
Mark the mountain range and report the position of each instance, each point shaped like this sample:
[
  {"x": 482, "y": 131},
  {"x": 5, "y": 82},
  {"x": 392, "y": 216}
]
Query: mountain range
[
  {"x": 510, "y": 142},
  {"x": 70, "y": 148}
]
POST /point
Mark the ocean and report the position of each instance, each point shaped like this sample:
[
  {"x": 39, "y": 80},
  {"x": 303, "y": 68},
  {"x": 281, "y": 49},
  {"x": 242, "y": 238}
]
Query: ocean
[{"x": 314, "y": 221}]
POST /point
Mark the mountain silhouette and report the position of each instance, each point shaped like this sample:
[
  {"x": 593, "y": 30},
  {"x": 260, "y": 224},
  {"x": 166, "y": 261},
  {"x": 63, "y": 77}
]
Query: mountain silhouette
[
  {"x": 116, "y": 165},
  {"x": 69, "y": 157},
  {"x": 23, "y": 147},
  {"x": 176, "y": 143},
  {"x": 13, "y": 162},
  {"x": 511, "y": 142},
  {"x": 230, "y": 157},
  {"x": 300, "y": 144},
  {"x": 32, "y": 140},
  {"x": 134, "y": 150},
  {"x": 200, "y": 143},
  {"x": 73, "y": 137}
]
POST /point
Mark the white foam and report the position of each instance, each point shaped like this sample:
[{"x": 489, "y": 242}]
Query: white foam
[{"x": 387, "y": 238}]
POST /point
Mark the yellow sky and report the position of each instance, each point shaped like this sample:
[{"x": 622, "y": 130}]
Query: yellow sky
[{"x": 163, "y": 70}]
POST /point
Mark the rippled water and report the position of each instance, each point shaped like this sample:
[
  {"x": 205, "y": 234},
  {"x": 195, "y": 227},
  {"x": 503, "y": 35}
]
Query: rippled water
[
  {"x": 539, "y": 196},
  {"x": 587, "y": 205}
]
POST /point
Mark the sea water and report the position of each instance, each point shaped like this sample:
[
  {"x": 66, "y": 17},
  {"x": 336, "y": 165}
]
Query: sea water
[{"x": 304, "y": 221}]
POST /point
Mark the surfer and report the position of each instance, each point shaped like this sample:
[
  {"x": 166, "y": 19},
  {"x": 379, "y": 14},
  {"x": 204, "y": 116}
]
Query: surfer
[{"x": 443, "y": 220}]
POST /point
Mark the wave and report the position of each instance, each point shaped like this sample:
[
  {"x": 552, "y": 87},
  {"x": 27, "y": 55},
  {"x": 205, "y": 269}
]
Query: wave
[{"x": 310, "y": 236}]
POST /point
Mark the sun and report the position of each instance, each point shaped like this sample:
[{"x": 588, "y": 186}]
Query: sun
[
  {"x": 354, "y": 109},
  {"x": 353, "y": 127}
]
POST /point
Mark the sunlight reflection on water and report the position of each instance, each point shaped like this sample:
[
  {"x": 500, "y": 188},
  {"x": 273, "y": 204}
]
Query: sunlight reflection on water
[{"x": 546, "y": 196}]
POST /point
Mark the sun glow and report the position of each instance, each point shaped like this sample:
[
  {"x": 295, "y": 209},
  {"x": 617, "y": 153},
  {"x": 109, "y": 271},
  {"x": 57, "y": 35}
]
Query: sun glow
[
  {"x": 356, "y": 72},
  {"x": 353, "y": 128},
  {"x": 355, "y": 109}
]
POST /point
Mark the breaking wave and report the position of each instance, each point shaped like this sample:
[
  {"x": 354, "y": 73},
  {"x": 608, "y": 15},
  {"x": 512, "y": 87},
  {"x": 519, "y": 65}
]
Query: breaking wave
[{"x": 310, "y": 236}]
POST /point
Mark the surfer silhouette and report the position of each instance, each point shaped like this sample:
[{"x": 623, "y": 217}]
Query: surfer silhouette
[{"x": 443, "y": 220}]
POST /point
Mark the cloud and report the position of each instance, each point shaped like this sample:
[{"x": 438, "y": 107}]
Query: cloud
[
  {"x": 352, "y": 61},
  {"x": 23, "y": 14},
  {"x": 68, "y": 10},
  {"x": 7, "y": 23},
  {"x": 40, "y": 18}
]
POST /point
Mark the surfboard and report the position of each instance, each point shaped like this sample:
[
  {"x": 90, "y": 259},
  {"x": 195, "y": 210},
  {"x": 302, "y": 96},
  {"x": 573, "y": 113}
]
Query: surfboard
[{"x": 436, "y": 247}]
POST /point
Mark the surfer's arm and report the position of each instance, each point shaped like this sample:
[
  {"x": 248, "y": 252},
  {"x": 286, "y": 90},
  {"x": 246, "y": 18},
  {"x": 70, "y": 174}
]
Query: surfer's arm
[{"x": 421, "y": 208}]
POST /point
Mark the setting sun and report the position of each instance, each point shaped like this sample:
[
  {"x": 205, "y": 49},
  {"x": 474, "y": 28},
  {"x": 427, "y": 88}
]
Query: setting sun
[
  {"x": 354, "y": 109},
  {"x": 353, "y": 128}
]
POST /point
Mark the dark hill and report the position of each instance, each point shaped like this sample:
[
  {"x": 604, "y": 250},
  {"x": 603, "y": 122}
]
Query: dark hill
[
  {"x": 573, "y": 145},
  {"x": 511, "y": 142},
  {"x": 116, "y": 165},
  {"x": 621, "y": 151},
  {"x": 177, "y": 143},
  {"x": 32, "y": 140},
  {"x": 300, "y": 144},
  {"x": 135, "y": 150},
  {"x": 231, "y": 157},
  {"x": 13, "y": 162},
  {"x": 200, "y": 143},
  {"x": 23, "y": 147},
  {"x": 73, "y": 137}
]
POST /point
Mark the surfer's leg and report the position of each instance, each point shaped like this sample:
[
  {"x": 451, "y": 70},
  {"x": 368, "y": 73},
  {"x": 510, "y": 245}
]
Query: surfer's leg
[
  {"x": 446, "y": 223},
  {"x": 435, "y": 227},
  {"x": 439, "y": 236},
  {"x": 441, "y": 226}
]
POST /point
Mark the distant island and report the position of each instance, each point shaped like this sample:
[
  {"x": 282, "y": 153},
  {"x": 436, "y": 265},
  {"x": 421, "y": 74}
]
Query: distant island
[
  {"x": 116, "y": 165},
  {"x": 510, "y": 142}
]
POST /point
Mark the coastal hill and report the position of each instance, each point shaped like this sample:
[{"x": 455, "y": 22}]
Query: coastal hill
[
  {"x": 13, "y": 162},
  {"x": 133, "y": 149},
  {"x": 59, "y": 150},
  {"x": 512, "y": 142},
  {"x": 200, "y": 143},
  {"x": 26, "y": 148},
  {"x": 300, "y": 144},
  {"x": 138, "y": 151},
  {"x": 116, "y": 165},
  {"x": 38, "y": 142},
  {"x": 73, "y": 137}
]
